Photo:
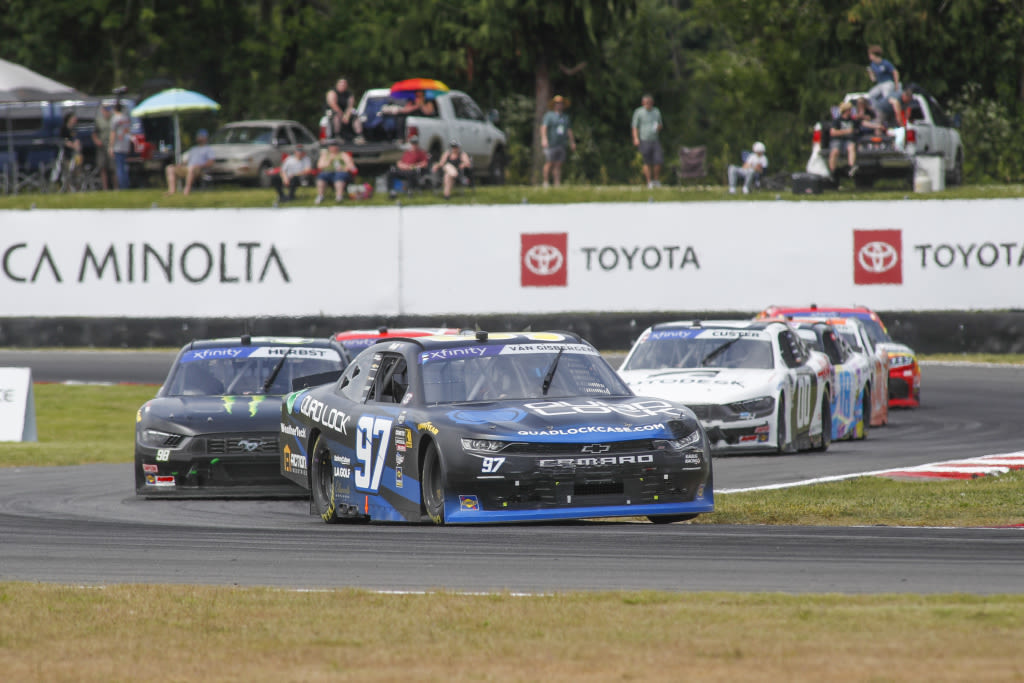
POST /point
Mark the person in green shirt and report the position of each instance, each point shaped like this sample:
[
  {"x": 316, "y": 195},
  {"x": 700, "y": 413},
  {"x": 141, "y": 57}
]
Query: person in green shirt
[
  {"x": 555, "y": 136},
  {"x": 647, "y": 124}
]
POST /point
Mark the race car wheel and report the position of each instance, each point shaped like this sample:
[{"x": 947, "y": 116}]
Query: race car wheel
[
  {"x": 826, "y": 425},
  {"x": 432, "y": 485},
  {"x": 865, "y": 418},
  {"x": 321, "y": 480},
  {"x": 668, "y": 519},
  {"x": 780, "y": 429}
]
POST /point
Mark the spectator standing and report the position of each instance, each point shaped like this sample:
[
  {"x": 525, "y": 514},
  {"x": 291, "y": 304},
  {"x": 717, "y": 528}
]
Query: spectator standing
[
  {"x": 101, "y": 138},
  {"x": 555, "y": 136},
  {"x": 842, "y": 138},
  {"x": 341, "y": 112},
  {"x": 753, "y": 166},
  {"x": 647, "y": 124},
  {"x": 198, "y": 158},
  {"x": 454, "y": 166},
  {"x": 289, "y": 176},
  {"x": 335, "y": 167},
  {"x": 121, "y": 144},
  {"x": 414, "y": 162},
  {"x": 883, "y": 74}
]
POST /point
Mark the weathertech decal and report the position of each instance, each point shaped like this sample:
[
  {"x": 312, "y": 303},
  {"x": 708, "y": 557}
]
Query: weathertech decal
[
  {"x": 543, "y": 259},
  {"x": 877, "y": 257}
]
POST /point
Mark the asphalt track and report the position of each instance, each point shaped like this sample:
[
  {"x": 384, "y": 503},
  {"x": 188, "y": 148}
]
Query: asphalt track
[{"x": 84, "y": 525}]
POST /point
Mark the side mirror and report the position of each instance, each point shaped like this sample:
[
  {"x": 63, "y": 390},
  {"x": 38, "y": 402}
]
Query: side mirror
[{"x": 493, "y": 116}]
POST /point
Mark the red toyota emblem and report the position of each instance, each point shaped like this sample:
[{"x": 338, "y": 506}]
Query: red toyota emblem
[
  {"x": 543, "y": 259},
  {"x": 877, "y": 257}
]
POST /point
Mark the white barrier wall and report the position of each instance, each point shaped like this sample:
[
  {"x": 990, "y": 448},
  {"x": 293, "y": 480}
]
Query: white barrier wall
[{"x": 900, "y": 255}]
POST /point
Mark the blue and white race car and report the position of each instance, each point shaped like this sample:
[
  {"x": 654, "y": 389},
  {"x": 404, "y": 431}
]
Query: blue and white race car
[
  {"x": 491, "y": 428},
  {"x": 754, "y": 384}
]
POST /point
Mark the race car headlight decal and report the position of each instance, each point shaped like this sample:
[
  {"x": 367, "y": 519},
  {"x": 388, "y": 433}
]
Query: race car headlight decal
[
  {"x": 900, "y": 360},
  {"x": 483, "y": 445},
  {"x": 678, "y": 444},
  {"x": 154, "y": 438},
  {"x": 755, "y": 407}
]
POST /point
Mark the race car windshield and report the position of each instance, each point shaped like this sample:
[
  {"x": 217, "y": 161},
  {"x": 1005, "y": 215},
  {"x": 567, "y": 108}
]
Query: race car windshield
[
  {"x": 518, "y": 373},
  {"x": 659, "y": 352},
  {"x": 242, "y": 370}
]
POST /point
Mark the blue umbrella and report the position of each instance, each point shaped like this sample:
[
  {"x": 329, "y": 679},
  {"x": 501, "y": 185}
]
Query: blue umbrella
[{"x": 174, "y": 102}]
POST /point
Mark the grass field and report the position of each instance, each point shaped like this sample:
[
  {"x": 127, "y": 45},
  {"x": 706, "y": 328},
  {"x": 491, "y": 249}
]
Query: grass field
[{"x": 230, "y": 196}]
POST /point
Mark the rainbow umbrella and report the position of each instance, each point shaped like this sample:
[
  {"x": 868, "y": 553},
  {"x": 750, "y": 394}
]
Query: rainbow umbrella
[{"x": 407, "y": 89}]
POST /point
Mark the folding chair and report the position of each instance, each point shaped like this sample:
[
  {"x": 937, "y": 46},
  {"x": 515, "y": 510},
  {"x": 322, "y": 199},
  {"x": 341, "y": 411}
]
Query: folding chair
[
  {"x": 7, "y": 179},
  {"x": 34, "y": 174}
]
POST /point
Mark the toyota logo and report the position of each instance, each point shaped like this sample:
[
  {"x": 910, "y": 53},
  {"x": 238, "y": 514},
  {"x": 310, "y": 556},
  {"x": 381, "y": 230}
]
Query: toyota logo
[
  {"x": 543, "y": 259},
  {"x": 249, "y": 445},
  {"x": 877, "y": 257},
  {"x": 596, "y": 448}
]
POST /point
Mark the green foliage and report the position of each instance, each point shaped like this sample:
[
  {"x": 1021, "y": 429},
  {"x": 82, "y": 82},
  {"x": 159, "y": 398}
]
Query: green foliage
[{"x": 724, "y": 72}]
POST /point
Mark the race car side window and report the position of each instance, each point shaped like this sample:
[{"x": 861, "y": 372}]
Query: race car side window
[
  {"x": 793, "y": 352},
  {"x": 833, "y": 347},
  {"x": 391, "y": 381},
  {"x": 354, "y": 379}
]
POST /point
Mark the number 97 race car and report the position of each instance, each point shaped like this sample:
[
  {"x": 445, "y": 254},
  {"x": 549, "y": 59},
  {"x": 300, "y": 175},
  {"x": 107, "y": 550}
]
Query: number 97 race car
[
  {"x": 491, "y": 428},
  {"x": 754, "y": 385}
]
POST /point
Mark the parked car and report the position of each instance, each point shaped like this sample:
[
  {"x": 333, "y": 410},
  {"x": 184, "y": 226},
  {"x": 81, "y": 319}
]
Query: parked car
[
  {"x": 245, "y": 150},
  {"x": 458, "y": 117}
]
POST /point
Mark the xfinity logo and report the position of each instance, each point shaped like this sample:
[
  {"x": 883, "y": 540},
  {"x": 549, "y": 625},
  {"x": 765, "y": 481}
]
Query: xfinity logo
[
  {"x": 596, "y": 462},
  {"x": 596, "y": 448}
]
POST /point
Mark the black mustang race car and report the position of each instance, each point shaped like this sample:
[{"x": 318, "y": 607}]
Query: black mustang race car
[
  {"x": 212, "y": 428},
  {"x": 491, "y": 428}
]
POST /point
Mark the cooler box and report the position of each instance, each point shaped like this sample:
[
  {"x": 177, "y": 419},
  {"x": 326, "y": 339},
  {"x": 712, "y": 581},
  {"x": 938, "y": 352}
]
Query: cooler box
[
  {"x": 808, "y": 183},
  {"x": 934, "y": 166}
]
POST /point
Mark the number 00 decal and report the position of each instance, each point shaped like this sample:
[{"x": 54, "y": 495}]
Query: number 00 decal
[
  {"x": 371, "y": 429},
  {"x": 803, "y": 401}
]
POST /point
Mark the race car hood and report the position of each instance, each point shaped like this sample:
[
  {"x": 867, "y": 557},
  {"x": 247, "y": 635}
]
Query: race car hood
[
  {"x": 574, "y": 419},
  {"x": 699, "y": 386},
  {"x": 211, "y": 414},
  {"x": 896, "y": 347}
]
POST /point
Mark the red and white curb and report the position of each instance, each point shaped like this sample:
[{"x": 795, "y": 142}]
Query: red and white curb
[{"x": 972, "y": 468}]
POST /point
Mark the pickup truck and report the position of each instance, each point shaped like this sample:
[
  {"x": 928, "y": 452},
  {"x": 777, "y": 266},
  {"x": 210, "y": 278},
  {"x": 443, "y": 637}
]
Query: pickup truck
[
  {"x": 892, "y": 154},
  {"x": 458, "y": 117}
]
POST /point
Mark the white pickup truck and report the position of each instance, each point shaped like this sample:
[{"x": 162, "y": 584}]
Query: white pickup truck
[
  {"x": 892, "y": 154},
  {"x": 458, "y": 118}
]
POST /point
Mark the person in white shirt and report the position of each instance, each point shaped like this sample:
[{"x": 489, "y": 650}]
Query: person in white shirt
[
  {"x": 753, "y": 166},
  {"x": 295, "y": 166},
  {"x": 199, "y": 157}
]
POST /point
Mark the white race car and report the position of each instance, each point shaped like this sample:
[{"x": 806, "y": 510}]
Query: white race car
[{"x": 754, "y": 384}]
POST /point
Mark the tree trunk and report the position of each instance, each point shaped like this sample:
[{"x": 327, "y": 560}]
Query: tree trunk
[{"x": 542, "y": 92}]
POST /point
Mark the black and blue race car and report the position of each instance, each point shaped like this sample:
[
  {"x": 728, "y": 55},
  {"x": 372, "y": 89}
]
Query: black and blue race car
[
  {"x": 212, "y": 429},
  {"x": 491, "y": 428}
]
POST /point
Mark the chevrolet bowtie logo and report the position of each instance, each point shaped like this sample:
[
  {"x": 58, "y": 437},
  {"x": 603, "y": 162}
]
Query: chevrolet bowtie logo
[{"x": 596, "y": 448}]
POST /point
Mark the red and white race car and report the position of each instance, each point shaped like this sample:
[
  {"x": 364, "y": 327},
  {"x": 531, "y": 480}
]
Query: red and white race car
[
  {"x": 904, "y": 370},
  {"x": 357, "y": 340}
]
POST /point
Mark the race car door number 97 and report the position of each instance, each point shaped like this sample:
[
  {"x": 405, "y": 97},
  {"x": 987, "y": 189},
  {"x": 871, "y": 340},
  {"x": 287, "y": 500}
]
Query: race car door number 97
[{"x": 368, "y": 470}]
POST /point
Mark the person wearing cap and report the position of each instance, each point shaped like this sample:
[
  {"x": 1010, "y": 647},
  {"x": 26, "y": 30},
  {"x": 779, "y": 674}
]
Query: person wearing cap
[
  {"x": 289, "y": 176},
  {"x": 101, "y": 138},
  {"x": 753, "y": 166},
  {"x": 455, "y": 166},
  {"x": 195, "y": 161},
  {"x": 334, "y": 167},
  {"x": 412, "y": 164},
  {"x": 842, "y": 137},
  {"x": 555, "y": 137}
]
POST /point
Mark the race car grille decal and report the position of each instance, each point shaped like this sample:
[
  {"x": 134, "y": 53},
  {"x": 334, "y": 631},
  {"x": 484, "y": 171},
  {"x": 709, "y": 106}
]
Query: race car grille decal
[
  {"x": 609, "y": 448},
  {"x": 242, "y": 444}
]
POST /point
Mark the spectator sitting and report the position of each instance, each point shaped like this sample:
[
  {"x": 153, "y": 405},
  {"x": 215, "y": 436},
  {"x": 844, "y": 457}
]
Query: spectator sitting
[
  {"x": 341, "y": 112},
  {"x": 866, "y": 116},
  {"x": 883, "y": 74},
  {"x": 454, "y": 165},
  {"x": 335, "y": 167},
  {"x": 413, "y": 163},
  {"x": 198, "y": 158},
  {"x": 294, "y": 167},
  {"x": 842, "y": 138},
  {"x": 420, "y": 106},
  {"x": 752, "y": 168}
]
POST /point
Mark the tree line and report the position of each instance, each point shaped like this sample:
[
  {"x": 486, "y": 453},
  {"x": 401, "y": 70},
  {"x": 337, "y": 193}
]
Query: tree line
[{"x": 723, "y": 72}]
